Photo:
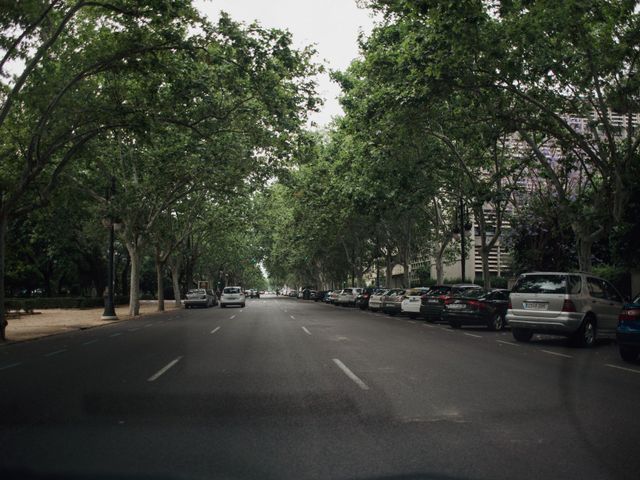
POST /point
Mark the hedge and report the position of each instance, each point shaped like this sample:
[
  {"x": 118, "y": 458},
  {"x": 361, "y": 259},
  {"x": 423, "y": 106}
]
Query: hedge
[{"x": 43, "y": 303}]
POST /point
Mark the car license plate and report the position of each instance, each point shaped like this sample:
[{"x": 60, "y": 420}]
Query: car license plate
[
  {"x": 535, "y": 306},
  {"x": 457, "y": 306}
]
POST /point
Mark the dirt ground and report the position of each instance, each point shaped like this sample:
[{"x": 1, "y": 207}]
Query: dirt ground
[{"x": 52, "y": 321}]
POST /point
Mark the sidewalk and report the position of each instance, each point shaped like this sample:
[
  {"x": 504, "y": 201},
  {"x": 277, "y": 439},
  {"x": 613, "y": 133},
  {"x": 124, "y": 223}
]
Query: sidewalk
[{"x": 53, "y": 321}]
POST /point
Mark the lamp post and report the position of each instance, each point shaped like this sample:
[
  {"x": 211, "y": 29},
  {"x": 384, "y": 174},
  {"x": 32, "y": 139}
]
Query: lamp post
[{"x": 109, "y": 307}]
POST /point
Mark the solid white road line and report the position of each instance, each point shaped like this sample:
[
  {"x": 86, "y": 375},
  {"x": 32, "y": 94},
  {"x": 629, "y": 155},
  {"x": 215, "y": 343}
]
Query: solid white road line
[
  {"x": 350, "y": 374},
  {"x": 473, "y": 335},
  {"x": 215, "y": 330},
  {"x": 508, "y": 343},
  {"x": 622, "y": 368},
  {"x": 90, "y": 342},
  {"x": 412, "y": 321},
  {"x": 11, "y": 365},
  {"x": 557, "y": 354},
  {"x": 306, "y": 331},
  {"x": 51, "y": 354},
  {"x": 156, "y": 375},
  {"x": 446, "y": 330}
]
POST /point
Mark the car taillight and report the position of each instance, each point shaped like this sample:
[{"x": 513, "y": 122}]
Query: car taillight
[
  {"x": 510, "y": 307},
  {"x": 568, "y": 306},
  {"x": 444, "y": 298},
  {"x": 630, "y": 315},
  {"x": 448, "y": 301}
]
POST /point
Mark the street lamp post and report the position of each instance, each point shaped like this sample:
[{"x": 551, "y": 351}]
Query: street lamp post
[
  {"x": 109, "y": 307},
  {"x": 463, "y": 229}
]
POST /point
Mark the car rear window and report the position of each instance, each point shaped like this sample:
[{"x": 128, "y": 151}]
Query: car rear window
[
  {"x": 471, "y": 293},
  {"x": 197, "y": 291},
  {"x": 542, "y": 284},
  {"x": 231, "y": 290}
]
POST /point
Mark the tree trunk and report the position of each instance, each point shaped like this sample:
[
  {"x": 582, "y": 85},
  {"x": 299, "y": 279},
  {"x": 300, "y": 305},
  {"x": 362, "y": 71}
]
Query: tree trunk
[
  {"x": 584, "y": 244},
  {"x": 174, "y": 265},
  {"x": 160, "y": 279},
  {"x": 4, "y": 220},
  {"x": 486, "y": 275},
  {"x": 124, "y": 274},
  {"x": 134, "y": 287}
]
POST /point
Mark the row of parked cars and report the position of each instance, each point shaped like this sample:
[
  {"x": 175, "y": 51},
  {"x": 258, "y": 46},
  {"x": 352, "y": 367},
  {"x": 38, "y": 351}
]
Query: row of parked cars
[{"x": 578, "y": 305}]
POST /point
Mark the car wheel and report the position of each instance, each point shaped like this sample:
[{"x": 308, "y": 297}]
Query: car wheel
[
  {"x": 430, "y": 319},
  {"x": 454, "y": 324},
  {"x": 413, "y": 316},
  {"x": 222, "y": 305},
  {"x": 629, "y": 354},
  {"x": 496, "y": 323},
  {"x": 587, "y": 333},
  {"x": 242, "y": 306},
  {"x": 522, "y": 334}
]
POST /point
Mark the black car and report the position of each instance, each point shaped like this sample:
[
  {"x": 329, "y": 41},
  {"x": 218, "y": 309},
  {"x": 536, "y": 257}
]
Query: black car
[
  {"x": 318, "y": 295},
  {"x": 477, "y": 307},
  {"x": 362, "y": 300},
  {"x": 433, "y": 302}
]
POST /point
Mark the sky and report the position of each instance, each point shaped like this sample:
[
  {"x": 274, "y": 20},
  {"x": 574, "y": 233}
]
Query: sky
[{"x": 332, "y": 26}]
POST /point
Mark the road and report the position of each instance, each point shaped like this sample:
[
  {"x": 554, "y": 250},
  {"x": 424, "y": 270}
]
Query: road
[{"x": 287, "y": 388}]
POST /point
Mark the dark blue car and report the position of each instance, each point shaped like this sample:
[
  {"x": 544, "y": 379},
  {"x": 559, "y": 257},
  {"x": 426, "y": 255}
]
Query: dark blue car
[{"x": 628, "y": 332}]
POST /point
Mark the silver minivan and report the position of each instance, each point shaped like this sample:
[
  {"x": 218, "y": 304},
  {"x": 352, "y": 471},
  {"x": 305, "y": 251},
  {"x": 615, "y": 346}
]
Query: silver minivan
[{"x": 580, "y": 306}]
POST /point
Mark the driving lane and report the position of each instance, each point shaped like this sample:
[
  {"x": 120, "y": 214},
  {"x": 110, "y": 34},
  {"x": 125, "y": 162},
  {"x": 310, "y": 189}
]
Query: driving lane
[{"x": 287, "y": 388}]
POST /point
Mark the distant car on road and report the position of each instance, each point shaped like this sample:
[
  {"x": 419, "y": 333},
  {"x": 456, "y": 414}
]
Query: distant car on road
[
  {"x": 200, "y": 297},
  {"x": 628, "y": 332},
  {"x": 578, "y": 305},
  {"x": 477, "y": 307},
  {"x": 232, "y": 296}
]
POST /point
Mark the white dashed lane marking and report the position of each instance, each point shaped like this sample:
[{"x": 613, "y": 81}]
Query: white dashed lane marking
[
  {"x": 215, "y": 330},
  {"x": 11, "y": 365},
  {"x": 557, "y": 354},
  {"x": 350, "y": 374},
  {"x": 160, "y": 372},
  {"x": 306, "y": 331},
  {"x": 51, "y": 354},
  {"x": 622, "y": 368}
]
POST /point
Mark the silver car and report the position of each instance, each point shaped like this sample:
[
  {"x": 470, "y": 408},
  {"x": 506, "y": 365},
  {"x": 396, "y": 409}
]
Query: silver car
[
  {"x": 347, "y": 296},
  {"x": 580, "y": 306},
  {"x": 200, "y": 297}
]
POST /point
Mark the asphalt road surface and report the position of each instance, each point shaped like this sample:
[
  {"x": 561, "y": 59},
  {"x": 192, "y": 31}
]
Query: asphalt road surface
[{"x": 287, "y": 388}]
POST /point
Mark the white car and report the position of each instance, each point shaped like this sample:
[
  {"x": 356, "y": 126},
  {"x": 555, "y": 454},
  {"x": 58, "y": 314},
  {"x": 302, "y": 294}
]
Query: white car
[
  {"x": 375, "y": 300},
  {"x": 199, "y": 297},
  {"x": 348, "y": 296},
  {"x": 232, "y": 296},
  {"x": 412, "y": 301}
]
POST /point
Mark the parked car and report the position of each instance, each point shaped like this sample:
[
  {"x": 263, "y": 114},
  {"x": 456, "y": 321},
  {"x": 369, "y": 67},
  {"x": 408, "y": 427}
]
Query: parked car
[
  {"x": 232, "y": 296},
  {"x": 375, "y": 299},
  {"x": 628, "y": 331},
  {"x": 293, "y": 294},
  {"x": 477, "y": 307},
  {"x": 362, "y": 300},
  {"x": 347, "y": 297},
  {"x": 333, "y": 296},
  {"x": 432, "y": 303},
  {"x": 580, "y": 306},
  {"x": 319, "y": 295},
  {"x": 392, "y": 301},
  {"x": 411, "y": 302},
  {"x": 200, "y": 297}
]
